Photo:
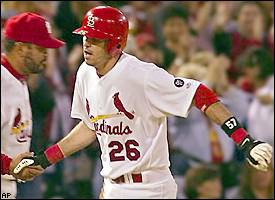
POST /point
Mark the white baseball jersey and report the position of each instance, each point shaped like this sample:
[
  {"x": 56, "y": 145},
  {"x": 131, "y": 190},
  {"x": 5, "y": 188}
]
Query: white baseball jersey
[
  {"x": 127, "y": 108},
  {"x": 16, "y": 116}
]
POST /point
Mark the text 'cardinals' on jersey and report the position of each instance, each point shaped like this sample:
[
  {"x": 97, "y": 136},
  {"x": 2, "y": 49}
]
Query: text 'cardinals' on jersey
[{"x": 125, "y": 109}]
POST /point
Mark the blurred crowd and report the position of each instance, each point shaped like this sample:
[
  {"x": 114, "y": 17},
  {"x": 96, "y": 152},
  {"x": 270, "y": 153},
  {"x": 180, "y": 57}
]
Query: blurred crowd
[{"x": 228, "y": 45}]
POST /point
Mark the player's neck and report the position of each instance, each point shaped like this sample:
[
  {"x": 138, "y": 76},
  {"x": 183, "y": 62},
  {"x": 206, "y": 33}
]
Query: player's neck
[
  {"x": 15, "y": 63},
  {"x": 108, "y": 65}
]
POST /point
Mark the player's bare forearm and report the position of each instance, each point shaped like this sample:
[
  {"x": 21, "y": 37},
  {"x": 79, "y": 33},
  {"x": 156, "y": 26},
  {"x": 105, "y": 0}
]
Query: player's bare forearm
[
  {"x": 79, "y": 138},
  {"x": 218, "y": 113},
  {"x": 258, "y": 153}
]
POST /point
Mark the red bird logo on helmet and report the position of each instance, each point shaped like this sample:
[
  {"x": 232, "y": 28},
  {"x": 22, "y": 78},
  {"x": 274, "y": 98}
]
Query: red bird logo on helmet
[{"x": 120, "y": 107}]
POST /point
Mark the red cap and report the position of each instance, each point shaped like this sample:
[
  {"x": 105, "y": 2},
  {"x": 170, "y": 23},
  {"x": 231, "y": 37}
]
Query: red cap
[
  {"x": 31, "y": 28},
  {"x": 143, "y": 39}
]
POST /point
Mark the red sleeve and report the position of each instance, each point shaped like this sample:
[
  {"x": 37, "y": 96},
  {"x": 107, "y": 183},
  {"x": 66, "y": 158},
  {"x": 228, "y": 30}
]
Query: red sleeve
[
  {"x": 204, "y": 97},
  {"x": 5, "y": 164}
]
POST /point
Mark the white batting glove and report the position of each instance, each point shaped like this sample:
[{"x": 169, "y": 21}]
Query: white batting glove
[
  {"x": 23, "y": 163},
  {"x": 258, "y": 154}
]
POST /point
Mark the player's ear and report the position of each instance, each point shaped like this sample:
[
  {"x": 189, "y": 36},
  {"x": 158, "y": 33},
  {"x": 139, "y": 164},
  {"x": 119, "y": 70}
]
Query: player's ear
[{"x": 20, "y": 48}]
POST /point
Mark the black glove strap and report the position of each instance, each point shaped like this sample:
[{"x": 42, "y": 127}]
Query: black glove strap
[
  {"x": 41, "y": 160},
  {"x": 246, "y": 145}
]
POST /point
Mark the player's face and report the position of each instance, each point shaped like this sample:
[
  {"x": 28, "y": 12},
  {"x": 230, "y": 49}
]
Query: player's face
[
  {"x": 94, "y": 51},
  {"x": 34, "y": 59}
]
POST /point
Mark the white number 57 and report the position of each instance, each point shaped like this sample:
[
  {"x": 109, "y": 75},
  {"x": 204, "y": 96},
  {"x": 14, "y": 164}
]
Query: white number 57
[{"x": 231, "y": 123}]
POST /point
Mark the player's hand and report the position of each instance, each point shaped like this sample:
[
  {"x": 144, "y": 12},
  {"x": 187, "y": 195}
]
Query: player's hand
[
  {"x": 25, "y": 173},
  {"x": 258, "y": 154}
]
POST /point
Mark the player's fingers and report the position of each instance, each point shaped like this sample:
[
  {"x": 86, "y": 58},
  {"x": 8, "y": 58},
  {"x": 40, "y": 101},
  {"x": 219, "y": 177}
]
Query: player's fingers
[
  {"x": 28, "y": 174},
  {"x": 262, "y": 162},
  {"x": 258, "y": 166},
  {"x": 34, "y": 172},
  {"x": 37, "y": 167},
  {"x": 264, "y": 147},
  {"x": 25, "y": 154},
  {"x": 265, "y": 154}
]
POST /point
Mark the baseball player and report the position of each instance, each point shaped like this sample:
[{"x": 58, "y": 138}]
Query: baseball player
[
  {"x": 27, "y": 37},
  {"x": 123, "y": 102}
]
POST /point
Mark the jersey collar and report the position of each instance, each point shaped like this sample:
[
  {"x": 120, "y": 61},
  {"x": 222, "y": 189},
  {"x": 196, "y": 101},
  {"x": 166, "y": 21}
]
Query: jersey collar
[{"x": 7, "y": 65}]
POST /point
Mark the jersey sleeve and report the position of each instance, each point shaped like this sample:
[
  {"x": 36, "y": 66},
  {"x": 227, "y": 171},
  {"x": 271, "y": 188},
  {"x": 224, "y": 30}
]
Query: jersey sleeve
[
  {"x": 5, "y": 164},
  {"x": 78, "y": 105},
  {"x": 169, "y": 95}
]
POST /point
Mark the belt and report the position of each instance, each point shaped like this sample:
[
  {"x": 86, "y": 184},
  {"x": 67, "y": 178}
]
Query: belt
[{"x": 129, "y": 178}]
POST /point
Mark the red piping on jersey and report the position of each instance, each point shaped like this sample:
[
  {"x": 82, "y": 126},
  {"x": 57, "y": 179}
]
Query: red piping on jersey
[{"x": 7, "y": 65}]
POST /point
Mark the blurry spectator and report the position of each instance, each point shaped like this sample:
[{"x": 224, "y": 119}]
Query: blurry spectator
[
  {"x": 69, "y": 16},
  {"x": 139, "y": 14},
  {"x": 261, "y": 113},
  {"x": 250, "y": 29},
  {"x": 146, "y": 49},
  {"x": 200, "y": 20},
  {"x": 257, "y": 184},
  {"x": 256, "y": 66},
  {"x": 270, "y": 34},
  {"x": 203, "y": 182},
  {"x": 74, "y": 11},
  {"x": 173, "y": 35}
]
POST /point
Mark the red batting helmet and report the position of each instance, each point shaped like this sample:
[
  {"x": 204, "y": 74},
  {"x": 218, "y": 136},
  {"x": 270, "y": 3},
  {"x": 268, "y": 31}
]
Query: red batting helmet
[{"x": 105, "y": 22}]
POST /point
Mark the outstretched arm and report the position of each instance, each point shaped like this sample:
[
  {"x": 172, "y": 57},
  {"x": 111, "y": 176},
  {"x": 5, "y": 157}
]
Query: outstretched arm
[
  {"x": 258, "y": 154},
  {"x": 78, "y": 138}
]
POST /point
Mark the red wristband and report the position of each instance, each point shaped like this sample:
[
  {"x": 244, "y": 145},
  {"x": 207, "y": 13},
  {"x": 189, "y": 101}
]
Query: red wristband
[
  {"x": 54, "y": 154},
  {"x": 238, "y": 135},
  {"x": 5, "y": 164}
]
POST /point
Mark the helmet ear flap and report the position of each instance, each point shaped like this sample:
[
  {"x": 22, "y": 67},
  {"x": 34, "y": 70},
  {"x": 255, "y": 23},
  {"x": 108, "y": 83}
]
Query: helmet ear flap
[{"x": 114, "y": 47}]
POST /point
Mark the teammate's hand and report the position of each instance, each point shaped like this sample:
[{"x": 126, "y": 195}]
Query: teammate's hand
[
  {"x": 26, "y": 173},
  {"x": 258, "y": 154}
]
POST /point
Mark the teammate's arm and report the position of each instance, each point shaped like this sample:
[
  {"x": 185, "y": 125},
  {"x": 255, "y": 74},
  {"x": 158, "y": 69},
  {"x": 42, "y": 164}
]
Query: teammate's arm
[
  {"x": 258, "y": 153},
  {"x": 8, "y": 164},
  {"x": 78, "y": 138}
]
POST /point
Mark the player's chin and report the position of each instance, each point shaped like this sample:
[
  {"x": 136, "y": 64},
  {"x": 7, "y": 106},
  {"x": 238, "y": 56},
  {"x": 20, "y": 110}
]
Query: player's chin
[
  {"x": 36, "y": 70},
  {"x": 89, "y": 62}
]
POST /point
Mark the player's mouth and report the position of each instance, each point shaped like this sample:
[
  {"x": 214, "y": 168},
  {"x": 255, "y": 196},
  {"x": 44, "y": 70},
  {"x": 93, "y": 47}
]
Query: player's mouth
[{"x": 87, "y": 53}]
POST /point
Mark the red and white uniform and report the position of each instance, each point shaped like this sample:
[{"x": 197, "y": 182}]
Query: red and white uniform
[
  {"x": 16, "y": 119},
  {"x": 127, "y": 108}
]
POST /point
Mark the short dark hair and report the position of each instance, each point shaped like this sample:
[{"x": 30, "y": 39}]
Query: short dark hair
[
  {"x": 196, "y": 176},
  {"x": 173, "y": 10},
  {"x": 8, "y": 45},
  {"x": 257, "y": 57}
]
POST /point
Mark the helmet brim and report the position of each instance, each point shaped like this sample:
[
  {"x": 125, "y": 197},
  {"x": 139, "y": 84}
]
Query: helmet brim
[{"x": 91, "y": 33}]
